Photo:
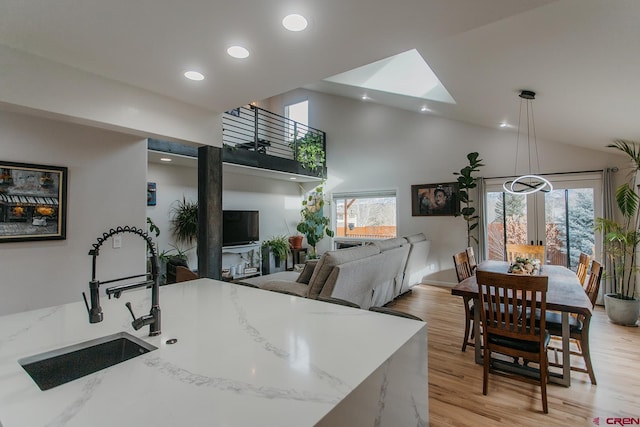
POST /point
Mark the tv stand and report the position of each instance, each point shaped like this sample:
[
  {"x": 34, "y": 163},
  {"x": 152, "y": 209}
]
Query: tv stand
[{"x": 241, "y": 261}]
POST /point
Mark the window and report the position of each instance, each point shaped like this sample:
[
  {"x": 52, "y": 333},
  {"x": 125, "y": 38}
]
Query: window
[
  {"x": 365, "y": 215},
  {"x": 298, "y": 112},
  {"x": 562, "y": 220},
  {"x": 298, "y": 115}
]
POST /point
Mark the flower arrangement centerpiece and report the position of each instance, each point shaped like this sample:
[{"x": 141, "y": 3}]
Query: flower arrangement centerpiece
[{"x": 525, "y": 266}]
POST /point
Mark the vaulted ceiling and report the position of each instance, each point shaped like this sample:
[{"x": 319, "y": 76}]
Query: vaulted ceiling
[{"x": 580, "y": 56}]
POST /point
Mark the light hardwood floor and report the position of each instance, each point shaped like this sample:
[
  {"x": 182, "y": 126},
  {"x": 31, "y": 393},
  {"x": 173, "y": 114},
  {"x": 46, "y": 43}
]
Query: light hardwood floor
[{"x": 455, "y": 381}]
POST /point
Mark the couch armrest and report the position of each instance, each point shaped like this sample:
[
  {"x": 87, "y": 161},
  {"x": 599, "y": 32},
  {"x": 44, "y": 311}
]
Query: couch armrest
[
  {"x": 285, "y": 286},
  {"x": 338, "y": 301}
]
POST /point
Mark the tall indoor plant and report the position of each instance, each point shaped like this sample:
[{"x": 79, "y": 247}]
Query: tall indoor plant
[
  {"x": 184, "y": 221},
  {"x": 313, "y": 224},
  {"x": 466, "y": 182},
  {"x": 621, "y": 240}
]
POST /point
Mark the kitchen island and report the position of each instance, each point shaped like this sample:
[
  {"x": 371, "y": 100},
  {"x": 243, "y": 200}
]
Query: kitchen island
[{"x": 243, "y": 357}]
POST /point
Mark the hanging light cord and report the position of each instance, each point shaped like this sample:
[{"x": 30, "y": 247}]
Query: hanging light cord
[{"x": 530, "y": 183}]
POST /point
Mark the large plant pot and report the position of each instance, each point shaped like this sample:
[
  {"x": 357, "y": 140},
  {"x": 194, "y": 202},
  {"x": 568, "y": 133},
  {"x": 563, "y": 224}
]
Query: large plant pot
[
  {"x": 270, "y": 264},
  {"x": 295, "y": 242},
  {"x": 622, "y": 311}
]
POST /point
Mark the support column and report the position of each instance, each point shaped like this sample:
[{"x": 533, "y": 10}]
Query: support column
[{"x": 210, "y": 212}]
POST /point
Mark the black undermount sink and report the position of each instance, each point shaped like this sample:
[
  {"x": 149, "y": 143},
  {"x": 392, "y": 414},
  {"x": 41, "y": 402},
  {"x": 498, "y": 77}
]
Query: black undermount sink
[{"x": 57, "y": 367}]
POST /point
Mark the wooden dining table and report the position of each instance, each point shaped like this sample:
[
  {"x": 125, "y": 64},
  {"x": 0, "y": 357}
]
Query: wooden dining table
[{"x": 564, "y": 294}]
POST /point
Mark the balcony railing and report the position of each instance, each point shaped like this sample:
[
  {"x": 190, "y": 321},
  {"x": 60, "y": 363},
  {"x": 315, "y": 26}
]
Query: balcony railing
[{"x": 256, "y": 137}]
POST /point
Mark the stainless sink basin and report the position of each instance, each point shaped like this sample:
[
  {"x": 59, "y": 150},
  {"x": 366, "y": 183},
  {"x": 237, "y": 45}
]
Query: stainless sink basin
[{"x": 60, "y": 366}]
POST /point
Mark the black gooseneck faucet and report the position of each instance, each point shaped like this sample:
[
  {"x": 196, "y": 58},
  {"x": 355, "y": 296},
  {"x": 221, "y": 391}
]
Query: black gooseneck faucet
[{"x": 152, "y": 280}]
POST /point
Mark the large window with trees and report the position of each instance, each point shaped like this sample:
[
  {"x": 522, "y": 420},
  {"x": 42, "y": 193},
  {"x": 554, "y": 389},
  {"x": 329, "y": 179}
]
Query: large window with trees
[
  {"x": 365, "y": 216},
  {"x": 562, "y": 219}
]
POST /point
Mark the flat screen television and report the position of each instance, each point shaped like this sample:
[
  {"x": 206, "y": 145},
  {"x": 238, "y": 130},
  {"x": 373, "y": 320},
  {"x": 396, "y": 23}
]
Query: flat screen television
[{"x": 240, "y": 227}]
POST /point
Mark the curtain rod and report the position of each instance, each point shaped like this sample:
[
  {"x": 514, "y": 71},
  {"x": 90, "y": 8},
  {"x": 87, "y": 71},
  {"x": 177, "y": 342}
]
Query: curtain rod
[{"x": 614, "y": 169}]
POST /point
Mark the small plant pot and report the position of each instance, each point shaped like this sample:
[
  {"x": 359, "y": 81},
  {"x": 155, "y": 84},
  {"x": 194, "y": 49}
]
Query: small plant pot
[
  {"x": 622, "y": 311},
  {"x": 295, "y": 242}
]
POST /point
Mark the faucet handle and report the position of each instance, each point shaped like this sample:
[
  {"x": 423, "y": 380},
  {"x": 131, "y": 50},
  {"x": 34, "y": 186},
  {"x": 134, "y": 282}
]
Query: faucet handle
[
  {"x": 84, "y": 296},
  {"x": 137, "y": 322},
  {"x": 128, "y": 304}
]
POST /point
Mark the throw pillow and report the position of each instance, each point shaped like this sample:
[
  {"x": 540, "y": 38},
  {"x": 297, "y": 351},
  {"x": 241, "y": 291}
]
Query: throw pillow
[{"x": 305, "y": 276}]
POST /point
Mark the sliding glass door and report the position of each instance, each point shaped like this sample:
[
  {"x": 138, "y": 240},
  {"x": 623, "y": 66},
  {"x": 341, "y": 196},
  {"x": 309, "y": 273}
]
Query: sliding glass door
[{"x": 562, "y": 219}]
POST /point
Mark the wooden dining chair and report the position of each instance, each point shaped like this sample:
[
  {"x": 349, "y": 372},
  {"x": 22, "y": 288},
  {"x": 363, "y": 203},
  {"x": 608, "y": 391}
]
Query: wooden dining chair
[
  {"x": 472, "y": 259},
  {"x": 583, "y": 267},
  {"x": 506, "y": 332},
  {"x": 525, "y": 251},
  {"x": 461, "y": 264},
  {"x": 578, "y": 327},
  {"x": 463, "y": 270}
]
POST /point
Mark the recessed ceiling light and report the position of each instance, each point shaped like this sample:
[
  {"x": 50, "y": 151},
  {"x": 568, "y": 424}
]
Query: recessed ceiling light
[
  {"x": 503, "y": 125},
  {"x": 165, "y": 159},
  {"x": 194, "y": 75},
  {"x": 365, "y": 97},
  {"x": 238, "y": 52},
  {"x": 425, "y": 109},
  {"x": 293, "y": 177},
  {"x": 294, "y": 22}
]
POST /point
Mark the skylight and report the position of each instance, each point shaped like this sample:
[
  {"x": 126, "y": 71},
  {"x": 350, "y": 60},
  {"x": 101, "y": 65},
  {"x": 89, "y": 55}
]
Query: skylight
[{"x": 403, "y": 74}]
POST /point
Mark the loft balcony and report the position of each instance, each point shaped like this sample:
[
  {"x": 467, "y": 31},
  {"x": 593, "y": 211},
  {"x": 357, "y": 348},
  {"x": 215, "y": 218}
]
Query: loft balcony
[
  {"x": 265, "y": 142},
  {"x": 258, "y": 138}
]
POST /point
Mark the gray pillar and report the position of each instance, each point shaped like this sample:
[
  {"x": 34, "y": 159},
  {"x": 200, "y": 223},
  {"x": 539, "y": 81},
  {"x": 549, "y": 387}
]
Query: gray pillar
[{"x": 210, "y": 212}]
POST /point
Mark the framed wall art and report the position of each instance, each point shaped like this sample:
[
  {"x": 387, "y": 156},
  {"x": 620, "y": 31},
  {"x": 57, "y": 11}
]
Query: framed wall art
[
  {"x": 435, "y": 199},
  {"x": 33, "y": 202},
  {"x": 151, "y": 193}
]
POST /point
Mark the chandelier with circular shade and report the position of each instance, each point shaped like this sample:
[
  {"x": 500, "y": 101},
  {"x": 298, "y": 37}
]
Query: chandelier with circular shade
[{"x": 527, "y": 183}]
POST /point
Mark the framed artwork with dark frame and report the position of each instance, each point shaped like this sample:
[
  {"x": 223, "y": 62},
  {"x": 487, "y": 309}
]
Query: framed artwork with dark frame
[
  {"x": 435, "y": 199},
  {"x": 151, "y": 193},
  {"x": 33, "y": 202}
]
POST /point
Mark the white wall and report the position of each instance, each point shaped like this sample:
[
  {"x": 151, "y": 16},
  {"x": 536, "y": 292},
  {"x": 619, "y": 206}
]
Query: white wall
[
  {"x": 278, "y": 201},
  {"x": 50, "y": 89},
  {"x": 372, "y": 147},
  {"x": 106, "y": 188},
  {"x": 172, "y": 184}
]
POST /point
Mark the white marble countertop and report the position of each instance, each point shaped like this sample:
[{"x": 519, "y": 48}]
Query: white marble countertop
[{"x": 244, "y": 357}]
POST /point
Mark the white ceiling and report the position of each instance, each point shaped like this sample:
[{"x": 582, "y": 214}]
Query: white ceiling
[{"x": 580, "y": 56}]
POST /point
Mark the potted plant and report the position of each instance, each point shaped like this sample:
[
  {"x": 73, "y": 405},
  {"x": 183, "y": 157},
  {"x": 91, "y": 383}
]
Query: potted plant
[
  {"x": 620, "y": 240},
  {"x": 296, "y": 241},
  {"x": 278, "y": 246},
  {"x": 175, "y": 256},
  {"x": 313, "y": 224},
  {"x": 184, "y": 221},
  {"x": 309, "y": 150},
  {"x": 466, "y": 182}
]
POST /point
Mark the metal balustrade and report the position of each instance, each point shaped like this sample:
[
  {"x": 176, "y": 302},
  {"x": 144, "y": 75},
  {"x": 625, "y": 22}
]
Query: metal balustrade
[{"x": 256, "y": 137}]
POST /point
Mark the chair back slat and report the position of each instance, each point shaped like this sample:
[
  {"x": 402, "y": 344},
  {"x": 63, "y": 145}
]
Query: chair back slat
[
  {"x": 525, "y": 251},
  {"x": 462, "y": 267}
]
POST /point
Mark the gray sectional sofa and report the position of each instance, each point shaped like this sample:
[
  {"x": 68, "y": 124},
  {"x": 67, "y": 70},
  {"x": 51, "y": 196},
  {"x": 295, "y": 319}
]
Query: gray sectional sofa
[{"x": 370, "y": 275}]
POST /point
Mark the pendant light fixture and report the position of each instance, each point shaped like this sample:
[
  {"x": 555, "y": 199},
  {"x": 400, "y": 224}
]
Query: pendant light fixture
[{"x": 528, "y": 183}]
